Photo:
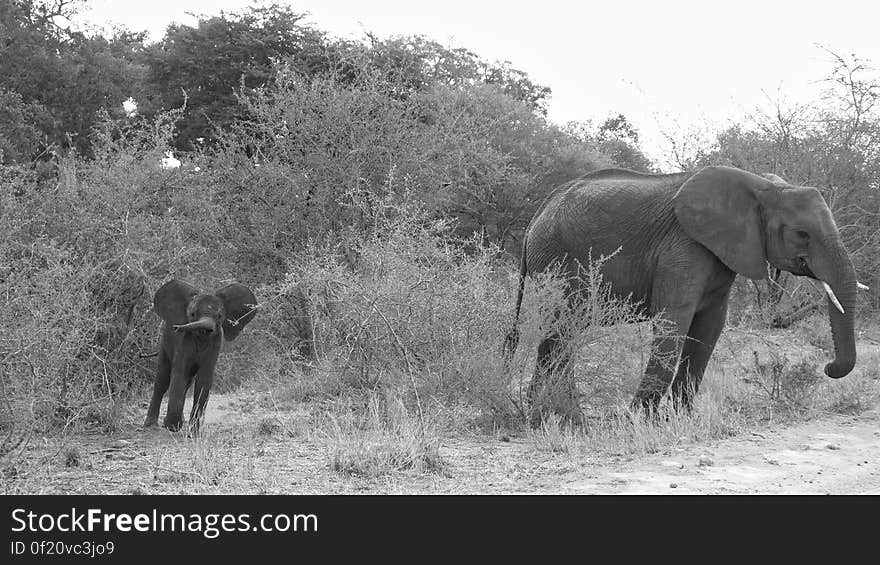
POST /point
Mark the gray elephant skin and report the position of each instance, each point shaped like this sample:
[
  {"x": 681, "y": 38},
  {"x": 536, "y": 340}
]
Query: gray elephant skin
[
  {"x": 682, "y": 240},
  {"x": 195, "y": 324}
]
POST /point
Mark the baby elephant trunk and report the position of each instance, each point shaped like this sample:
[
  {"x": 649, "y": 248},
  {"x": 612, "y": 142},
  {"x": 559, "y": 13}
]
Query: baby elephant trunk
[{"x": 205, "y": 323}]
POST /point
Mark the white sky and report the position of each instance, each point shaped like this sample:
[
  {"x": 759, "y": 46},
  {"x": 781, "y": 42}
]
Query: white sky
[{"x": 668, "y": 65}]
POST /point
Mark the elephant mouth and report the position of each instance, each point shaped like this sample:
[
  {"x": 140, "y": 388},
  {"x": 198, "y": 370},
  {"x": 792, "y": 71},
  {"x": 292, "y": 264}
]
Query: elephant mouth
[{"x": 802, "y": 269}]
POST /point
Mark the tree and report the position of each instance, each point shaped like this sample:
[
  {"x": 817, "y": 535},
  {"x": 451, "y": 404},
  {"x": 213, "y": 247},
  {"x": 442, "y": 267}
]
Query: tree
[
  {"x": 616, "y": 138},
  {"x": 205, "y": 67},
  {"x": 19, "y": 135},
  {"x": 412, "y": 64},
  {"x": 505, "y": 159},
  {"x": 620, "y": 140},
  {"x": 66, "y": 74}
]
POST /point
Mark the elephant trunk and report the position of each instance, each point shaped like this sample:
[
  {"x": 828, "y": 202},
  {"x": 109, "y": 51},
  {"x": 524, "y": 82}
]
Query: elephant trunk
[
  {"x": 840, "y": 276},
  {"x": 206, "y": 323}
]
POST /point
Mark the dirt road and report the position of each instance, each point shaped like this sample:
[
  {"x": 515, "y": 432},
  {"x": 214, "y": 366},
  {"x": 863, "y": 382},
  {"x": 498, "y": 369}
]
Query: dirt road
[{"x": 832, "y": 455}]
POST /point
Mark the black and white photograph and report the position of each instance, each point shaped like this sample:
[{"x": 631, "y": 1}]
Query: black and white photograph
[{"x": 342, "y": 247}]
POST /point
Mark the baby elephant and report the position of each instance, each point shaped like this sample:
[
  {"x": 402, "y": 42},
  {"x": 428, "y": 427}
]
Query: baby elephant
[{"x": 195, "y": 324}]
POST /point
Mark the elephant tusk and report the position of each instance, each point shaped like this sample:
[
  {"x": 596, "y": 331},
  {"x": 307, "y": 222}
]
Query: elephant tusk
[
  {"x": 831, "y": 296},
  {"x": 863, "y": 286}
]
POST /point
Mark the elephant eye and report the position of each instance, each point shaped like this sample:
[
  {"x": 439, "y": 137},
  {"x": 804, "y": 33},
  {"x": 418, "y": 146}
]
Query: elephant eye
[{"x": 803, "y": 234}]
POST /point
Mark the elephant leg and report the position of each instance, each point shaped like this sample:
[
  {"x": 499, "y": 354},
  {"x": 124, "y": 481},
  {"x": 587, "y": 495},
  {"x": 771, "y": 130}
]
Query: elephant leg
[
  {"x": 665, "y": 352},
  {"x": 181, "y": 374},
  {"x": 548, "y": 360},
  {"x": 160, "y": 387},
  {"x": 202, "y": 389},
  {"x": 702, "y": 336},
  {"x": 552, "y": 387}
]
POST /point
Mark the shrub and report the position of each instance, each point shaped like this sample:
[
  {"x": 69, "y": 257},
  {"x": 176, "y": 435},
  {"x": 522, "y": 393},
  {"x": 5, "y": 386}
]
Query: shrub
[
  {"x": 417, "y": 313},
  {"x": 792, "y": 386},
  {"x": 70, "y": 346}
]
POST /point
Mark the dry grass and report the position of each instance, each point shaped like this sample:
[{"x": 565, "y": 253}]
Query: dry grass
[{"x": 382, "y": 438}]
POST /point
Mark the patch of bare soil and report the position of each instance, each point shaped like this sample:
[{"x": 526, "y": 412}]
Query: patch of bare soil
[
  {"x": 832, "y": 455},
  {"x": 249, "y": 448}
]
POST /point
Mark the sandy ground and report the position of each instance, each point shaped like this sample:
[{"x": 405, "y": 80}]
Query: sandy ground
[{"x": 834, "y": 454}]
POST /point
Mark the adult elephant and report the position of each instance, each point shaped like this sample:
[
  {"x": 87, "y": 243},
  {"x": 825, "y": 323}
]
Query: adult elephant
[
  {"x": 682, "y": 239},
  {"x": 195, "y": 325}
]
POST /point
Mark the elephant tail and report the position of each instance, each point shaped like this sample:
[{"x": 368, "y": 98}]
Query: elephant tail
[{"x": 512, "y": 339}]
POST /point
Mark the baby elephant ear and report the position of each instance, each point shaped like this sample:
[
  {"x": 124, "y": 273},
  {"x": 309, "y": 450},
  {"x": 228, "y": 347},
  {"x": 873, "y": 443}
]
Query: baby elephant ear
[
  {"x": 240, "y": 305},
  {"x": 171, "y": 299}
]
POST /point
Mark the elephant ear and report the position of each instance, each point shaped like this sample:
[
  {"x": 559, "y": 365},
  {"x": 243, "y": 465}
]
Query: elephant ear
[
  {"x": 240, "y": 305},
  {"x": 720, "y": 207},
  {"x": 171, "y": 300}
]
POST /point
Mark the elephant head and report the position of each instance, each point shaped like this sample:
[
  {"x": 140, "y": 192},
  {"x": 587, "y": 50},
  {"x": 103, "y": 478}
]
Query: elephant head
[
  {"x": 185, "y": 309},
  {"x": 748, "y": 221}
]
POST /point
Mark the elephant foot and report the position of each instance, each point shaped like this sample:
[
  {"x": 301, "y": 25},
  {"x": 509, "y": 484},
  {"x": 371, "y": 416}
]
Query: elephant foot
[
  {"x": 151, "y": 422},
  {"x": 554, "y": 399},
  {"x": 563, "y": 408},
  {"x": 641, "y": 412},
  {"x": 567, "y": 418},
  {"x": 683, "y": 405},
  {"x": 173, "y": 425},
  {"x": 653, "y": 411}
]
